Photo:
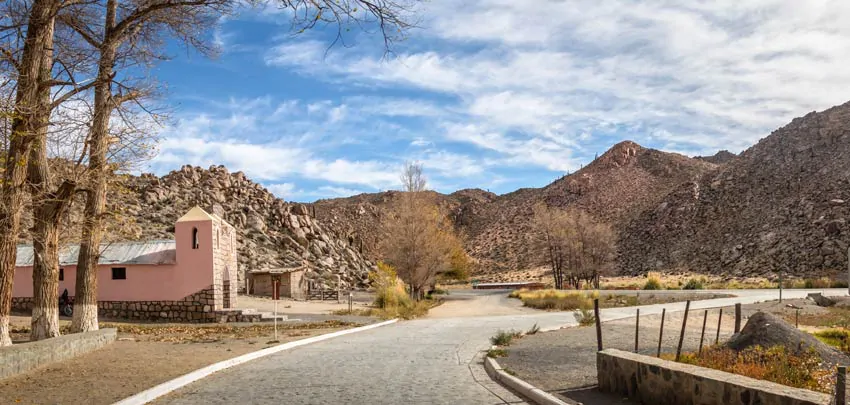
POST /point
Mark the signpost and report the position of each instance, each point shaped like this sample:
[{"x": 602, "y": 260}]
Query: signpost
[{"x": 275, "y": 297}]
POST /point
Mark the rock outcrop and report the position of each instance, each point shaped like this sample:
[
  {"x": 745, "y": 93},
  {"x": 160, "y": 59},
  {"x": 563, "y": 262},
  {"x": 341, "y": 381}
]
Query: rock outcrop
[
  {"x": 781, "y": 206},
  {"x": 271, "y": 232},
  {"x": 767, "y": 330}
]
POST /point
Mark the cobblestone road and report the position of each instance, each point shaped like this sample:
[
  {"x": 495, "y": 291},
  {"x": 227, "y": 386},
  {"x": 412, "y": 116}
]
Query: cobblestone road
[{"x": 430, "y": 361}]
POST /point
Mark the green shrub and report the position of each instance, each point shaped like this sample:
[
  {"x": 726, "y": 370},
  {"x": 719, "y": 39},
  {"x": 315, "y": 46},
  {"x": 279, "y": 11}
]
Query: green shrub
[
  {"x": 504, "y": 338},
  {"x": 838, "y": 284},
  {"x": 496, "y": 353},
  {"x": 585, "y": 315},
  {"x": 534, "y": 329},
  {"x": 693, "y": 284}
]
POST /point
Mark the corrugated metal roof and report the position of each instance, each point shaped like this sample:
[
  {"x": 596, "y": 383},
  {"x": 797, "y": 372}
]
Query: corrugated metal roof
[
  {"x": 147, "y": 252},
  {"x": 278, "y": 271}
]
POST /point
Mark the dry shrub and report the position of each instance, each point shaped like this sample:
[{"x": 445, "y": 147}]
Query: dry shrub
[
  {"x": 555, "y": 300},
  {"x": 391, "y": 298},
  {"x": 653, "y": 281},
  {"x": 776, "y": 364}
]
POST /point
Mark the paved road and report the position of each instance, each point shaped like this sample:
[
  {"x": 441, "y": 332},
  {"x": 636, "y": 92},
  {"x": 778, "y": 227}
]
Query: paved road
[{"x": 429, "y": 361}]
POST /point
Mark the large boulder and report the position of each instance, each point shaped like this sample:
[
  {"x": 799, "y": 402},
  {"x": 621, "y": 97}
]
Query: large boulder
[{"x": 767, "y": 330}]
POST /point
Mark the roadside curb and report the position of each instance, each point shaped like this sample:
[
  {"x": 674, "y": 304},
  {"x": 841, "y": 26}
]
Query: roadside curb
[
  {"x": 179, "y": 382},
  {"x": 536, "y": 395}
]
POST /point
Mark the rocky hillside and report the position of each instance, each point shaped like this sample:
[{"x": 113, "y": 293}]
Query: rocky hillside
[
  {"x": 272, "y": 233},
  {"x": 782, "y": 205},
  {"x": 614, "y": 187}
]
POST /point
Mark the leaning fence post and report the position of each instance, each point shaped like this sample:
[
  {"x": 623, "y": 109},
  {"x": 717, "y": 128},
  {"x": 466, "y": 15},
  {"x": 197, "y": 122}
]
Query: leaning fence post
[
  {"x": 661, "y": 331},
  {"x": 841, "y": 386},
  {"x": 702, "y": 335},
  {"x": 598, "y": 324},
  {"x": 719, "y": 321},
  {"x": 682, "y": 334},
  {"x": 737, "y": 317},
  {"x": 637, "y": 329}
]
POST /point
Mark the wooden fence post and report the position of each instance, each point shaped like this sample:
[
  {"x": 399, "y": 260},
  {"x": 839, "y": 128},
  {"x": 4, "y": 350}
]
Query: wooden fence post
[
  {"x": 682, "y": 334},
  {"x": 737, "y": 317},
  {"x": 637, "y": 329},
  {"x": 719, "y": 321},
  {"x": 661, "y": 331},
  {"x": 841, "y": 386},
  {"x": 702, "y": 335},
  {"x": 598, "y": 324}
]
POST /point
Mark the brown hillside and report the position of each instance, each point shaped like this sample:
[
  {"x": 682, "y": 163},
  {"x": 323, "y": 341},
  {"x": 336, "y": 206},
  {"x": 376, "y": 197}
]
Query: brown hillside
[
  {"x": 781, "y": 206},
  {"x": 616, "y": 186}
]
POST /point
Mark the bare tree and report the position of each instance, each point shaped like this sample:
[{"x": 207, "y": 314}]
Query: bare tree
[
  {"x": 577, "y": 248},
  {"x": 129, "y": 33},
  {"x": 116, "y": 30},
  {"x": 420, "y": 241},
  {"x": 29, "y": 117}
]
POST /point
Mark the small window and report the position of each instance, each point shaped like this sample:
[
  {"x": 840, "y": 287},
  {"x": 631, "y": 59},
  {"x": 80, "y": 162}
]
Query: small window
[
  {"x": 217, "y": 237},
  {"x": 61, "y": 274},
  {"x": 119, "y": 273},
  {"x": 194, "y": 238}
]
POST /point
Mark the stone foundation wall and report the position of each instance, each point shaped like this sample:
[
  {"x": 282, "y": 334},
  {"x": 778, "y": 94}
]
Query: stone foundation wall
[
  {"x": 661, "y": 382},
  {"x": 195, "y": 308}
]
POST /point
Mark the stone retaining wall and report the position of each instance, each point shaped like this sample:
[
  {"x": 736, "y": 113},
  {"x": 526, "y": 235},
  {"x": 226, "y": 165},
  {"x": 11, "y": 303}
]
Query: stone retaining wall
[
  {"x": 23, "y": 357},
  {"x": 195, "y": 308},
  {"x": 661, "y": 382}
]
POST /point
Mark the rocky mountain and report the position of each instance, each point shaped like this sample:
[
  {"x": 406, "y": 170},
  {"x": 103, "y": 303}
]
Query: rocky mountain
[
  {"x": 719, "y": 158},
  {"x": 781, "y": 206},
  {"x": 271, "y": 232},
  {"x": 616, "y": 186}
]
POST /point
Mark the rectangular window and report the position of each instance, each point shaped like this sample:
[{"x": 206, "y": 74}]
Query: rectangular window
[
  {"x": 119, "y": 273},
  {"x": 61, "y": 274}
]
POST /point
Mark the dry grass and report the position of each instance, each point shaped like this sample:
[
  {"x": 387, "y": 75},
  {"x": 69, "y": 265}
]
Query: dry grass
[
  {"x": 833, "y": 317},
  {"x": 776, "y": 364},
  {"x": 555, "y": 300}
]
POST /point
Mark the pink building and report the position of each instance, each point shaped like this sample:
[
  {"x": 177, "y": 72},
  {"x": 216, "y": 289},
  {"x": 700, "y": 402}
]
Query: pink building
[{"x": 189, "y": 279}]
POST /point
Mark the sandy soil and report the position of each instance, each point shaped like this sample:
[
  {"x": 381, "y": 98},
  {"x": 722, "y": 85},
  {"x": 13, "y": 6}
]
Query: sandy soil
[{"x": 145, "y": 356}]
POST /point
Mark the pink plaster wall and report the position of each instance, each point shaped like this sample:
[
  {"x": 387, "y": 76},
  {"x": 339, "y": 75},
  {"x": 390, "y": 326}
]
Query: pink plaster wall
[{"x": 192, "y": 272}]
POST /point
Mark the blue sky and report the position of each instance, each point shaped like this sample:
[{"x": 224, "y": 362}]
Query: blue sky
[{"x": 498, "y": 94}]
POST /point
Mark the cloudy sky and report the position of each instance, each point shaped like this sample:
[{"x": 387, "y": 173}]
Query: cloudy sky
[{"x": 499, "y": 94}]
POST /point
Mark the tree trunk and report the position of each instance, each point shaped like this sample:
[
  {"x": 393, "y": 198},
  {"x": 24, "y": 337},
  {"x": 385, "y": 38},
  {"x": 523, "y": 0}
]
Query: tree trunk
[
  {"x": 85, "y": 297},
  {"x": 48, "y": 217},
  {"x": 48, "y": 210},
  {"x": 39, "y": 40}
]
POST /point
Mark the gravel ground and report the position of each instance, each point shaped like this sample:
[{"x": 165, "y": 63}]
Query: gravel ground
[{"x": 563, "y": 362}]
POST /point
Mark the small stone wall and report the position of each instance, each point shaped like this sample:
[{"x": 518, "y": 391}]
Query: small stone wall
[
  {"x": 661, "y": 382},
  {"x": 195, "y": 308},
  {"x": 24, "y": 357}
]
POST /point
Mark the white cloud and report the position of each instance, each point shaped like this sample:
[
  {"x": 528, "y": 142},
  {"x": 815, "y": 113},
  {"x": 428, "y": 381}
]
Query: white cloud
[
  {"x": 706, "y": 75},
  {"x": 282, "y": 190}
]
